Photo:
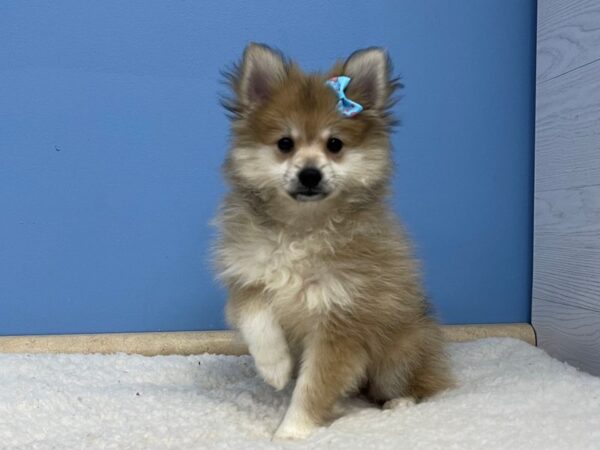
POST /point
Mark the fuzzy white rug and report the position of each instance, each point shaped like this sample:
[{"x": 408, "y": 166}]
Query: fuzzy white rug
[{"x": 511, "y": 396}]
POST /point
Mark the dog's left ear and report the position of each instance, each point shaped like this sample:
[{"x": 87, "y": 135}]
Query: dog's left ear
[{"x": 369, "y": 70}]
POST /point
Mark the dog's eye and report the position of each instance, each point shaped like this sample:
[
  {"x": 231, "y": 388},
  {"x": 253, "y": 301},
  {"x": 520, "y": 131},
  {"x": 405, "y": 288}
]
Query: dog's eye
[
  {"x": 285, "y": 144},
  {"x": 334, "y": 145}
]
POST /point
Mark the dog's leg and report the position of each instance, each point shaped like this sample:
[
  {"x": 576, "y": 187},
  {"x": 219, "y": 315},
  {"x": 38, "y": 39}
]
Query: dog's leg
[
  {"x": 264, "y": 336},
  {"x": 330, "y": 368},
  {"x": 412, "y": 369},
  {"x": 267, "y": 344}
]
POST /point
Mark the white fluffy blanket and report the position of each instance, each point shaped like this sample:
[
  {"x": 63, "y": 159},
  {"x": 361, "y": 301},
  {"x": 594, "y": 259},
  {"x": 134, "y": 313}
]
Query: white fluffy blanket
[{"x": 511, "y": 396}]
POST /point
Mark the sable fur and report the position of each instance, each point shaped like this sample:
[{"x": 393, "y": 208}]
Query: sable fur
[{"x": 327, "y": 287}]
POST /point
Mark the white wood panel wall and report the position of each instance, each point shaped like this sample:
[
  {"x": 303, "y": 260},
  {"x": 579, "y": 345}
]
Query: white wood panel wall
[{"x": 566, "y": 279}]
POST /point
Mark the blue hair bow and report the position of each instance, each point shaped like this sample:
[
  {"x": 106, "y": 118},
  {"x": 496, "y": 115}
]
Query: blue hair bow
[{"x": 345, "y": 106}]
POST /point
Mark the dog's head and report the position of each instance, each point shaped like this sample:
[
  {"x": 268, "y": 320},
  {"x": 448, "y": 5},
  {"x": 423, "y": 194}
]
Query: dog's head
[{"x": 292, "y": 144}]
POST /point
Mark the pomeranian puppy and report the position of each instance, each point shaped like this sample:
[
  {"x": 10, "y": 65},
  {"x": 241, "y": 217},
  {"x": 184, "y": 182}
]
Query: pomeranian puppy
[{"x": 321, "y": 280}]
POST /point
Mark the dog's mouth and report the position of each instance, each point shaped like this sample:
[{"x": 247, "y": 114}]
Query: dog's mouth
[{"x": 308, "y": 195}]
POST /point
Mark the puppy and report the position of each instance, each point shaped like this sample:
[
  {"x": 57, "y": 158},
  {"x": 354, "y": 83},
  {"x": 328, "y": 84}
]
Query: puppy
[{"x": 320, "y": 274}]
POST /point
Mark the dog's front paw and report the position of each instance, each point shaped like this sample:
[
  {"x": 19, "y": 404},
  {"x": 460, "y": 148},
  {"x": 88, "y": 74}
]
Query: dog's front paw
[
  {"x": 399, "y": 403},
  {"x": 274, "y": 366},
  {"x": 294, "y": 430}
]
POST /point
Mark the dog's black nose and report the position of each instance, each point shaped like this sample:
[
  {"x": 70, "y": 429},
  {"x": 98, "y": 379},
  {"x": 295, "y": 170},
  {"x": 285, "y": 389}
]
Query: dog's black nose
[{"x": 310, "y": 177}]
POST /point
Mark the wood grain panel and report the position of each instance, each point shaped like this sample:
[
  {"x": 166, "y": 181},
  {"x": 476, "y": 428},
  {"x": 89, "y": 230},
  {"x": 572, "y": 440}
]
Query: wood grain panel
[
  {"x": 573, "y": 212},
  {"x": 569, "y": 333},
  {"x": 568, "y": 36},
  {"x": 567, "y": 153},
  {"x": 567, "y": 275},
  {"x": 566, "y": 269}
]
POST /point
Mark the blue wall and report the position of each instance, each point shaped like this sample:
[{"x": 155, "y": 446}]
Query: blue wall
[{"x": 111, "y": 139}]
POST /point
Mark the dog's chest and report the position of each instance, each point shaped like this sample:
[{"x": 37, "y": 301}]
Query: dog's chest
[
  {"x": 294, "y": 271},
  {"x": 287, "y": 263}
]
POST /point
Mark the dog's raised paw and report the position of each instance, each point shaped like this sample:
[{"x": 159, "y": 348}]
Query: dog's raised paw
[{"x": 274, "y": 367}]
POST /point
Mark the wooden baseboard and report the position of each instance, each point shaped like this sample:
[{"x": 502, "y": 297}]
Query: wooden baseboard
[{"x": 197, "y": 342}]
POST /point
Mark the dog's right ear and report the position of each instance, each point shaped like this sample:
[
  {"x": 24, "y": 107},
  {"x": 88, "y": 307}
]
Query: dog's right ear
[{"x": 261, "y": 70}]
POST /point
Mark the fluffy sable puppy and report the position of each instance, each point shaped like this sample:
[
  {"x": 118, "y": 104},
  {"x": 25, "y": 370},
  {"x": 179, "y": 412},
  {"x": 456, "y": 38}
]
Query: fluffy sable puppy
[{"x": 320, "y": 274}]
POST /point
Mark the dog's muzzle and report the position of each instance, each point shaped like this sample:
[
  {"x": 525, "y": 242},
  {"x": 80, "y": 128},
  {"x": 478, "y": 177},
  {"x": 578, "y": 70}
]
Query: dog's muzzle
[{"x": 309, "y": 185}]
